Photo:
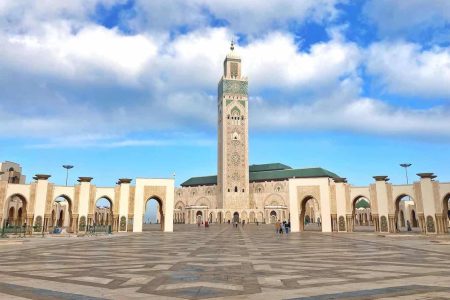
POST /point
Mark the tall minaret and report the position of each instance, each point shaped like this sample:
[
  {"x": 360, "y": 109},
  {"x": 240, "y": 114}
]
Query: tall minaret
[{"x": 233, "y": 174}]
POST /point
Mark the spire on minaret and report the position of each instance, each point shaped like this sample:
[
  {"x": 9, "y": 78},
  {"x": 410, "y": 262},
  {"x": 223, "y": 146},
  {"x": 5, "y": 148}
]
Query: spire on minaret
[{"x": 232, "y": 45}]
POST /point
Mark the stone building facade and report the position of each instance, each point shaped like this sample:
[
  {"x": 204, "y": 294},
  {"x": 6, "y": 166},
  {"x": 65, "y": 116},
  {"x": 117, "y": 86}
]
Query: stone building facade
[{"x": 269, "y": 192}]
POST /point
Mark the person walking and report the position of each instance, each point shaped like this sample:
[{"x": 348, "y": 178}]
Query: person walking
[{"x": 277, "y": 226}]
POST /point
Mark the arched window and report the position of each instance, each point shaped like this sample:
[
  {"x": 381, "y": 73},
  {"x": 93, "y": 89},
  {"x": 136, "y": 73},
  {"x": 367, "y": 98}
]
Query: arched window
[
  {"x": 236, "y": 116},
  {"x": 235, "y": 189}
]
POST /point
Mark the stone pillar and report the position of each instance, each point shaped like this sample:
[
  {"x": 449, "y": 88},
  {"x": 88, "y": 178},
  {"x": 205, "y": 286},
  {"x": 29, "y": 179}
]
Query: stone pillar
[
  {"x": 84, "y": 198},
  {"x": 422, "y": 224},
  {"x": 334, "y": 225},
  {"x": 29, "y": 221},
  {"x": 383, "y": 203},
  {"x": 124, "y": 196},
  {"x": 376, "y": 222},
  {"x": 392, "y": 223},
  {"x": 441, "y": 225},
  {"x": 47, "y": 220},
  {"x": 349, "y": 222},
  {"x": 41, "y": 196},
  {"x": 130, "y": 223},
  {"x": 341, "y": 199},
  {"x": 429, "y": 202},
  {"x": 74, "y": 227}
]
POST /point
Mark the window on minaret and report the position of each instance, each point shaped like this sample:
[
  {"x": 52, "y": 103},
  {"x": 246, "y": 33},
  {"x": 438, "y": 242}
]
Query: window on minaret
[
  {"x": 235, "y": 189},
  {"x": 236, "y": 117},
  {"x": 234, "y": 70}
]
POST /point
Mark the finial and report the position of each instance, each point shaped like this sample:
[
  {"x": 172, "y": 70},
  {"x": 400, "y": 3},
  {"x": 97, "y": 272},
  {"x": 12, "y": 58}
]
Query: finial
[{"x": 232, "y": 45}]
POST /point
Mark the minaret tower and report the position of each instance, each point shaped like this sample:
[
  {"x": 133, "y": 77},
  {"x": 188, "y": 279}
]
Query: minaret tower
[{"x": 233, "y": 173}]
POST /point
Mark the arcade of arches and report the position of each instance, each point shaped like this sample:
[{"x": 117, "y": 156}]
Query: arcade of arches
[
  {"x": 42, "y": 206},
  {"x": 319, "y": 204}
]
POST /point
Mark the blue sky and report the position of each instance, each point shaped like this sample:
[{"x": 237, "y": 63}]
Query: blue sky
[{"x": 128, "y": 88}]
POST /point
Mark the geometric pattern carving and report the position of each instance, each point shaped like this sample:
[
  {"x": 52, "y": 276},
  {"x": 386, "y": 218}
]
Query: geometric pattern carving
[
  {"x": 155, "y": 191},
  {"x": 341, "y": 223},
  {"x": 305, "y": 191},
  {"x": 384, "y": 224},
  {"x": 82, "y": 226},
  {"x": 235, "y": 87},
  {"x": 123, "y": 223},
  {"x": 38, "y": 224},
  {"x": 430, "y": 224}
]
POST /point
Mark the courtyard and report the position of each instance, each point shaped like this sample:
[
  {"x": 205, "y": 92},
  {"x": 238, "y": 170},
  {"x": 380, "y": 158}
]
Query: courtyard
[{"x": 250, "y": 262}]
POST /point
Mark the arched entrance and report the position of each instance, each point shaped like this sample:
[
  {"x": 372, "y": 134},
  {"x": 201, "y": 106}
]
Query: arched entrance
[
  {"x": 273, "y": 217},
  {"x": 404, "y": 219},
  {"x": 446, "y": 212},
  {"x": 219, "y": 217},
  {"x": 103, "y": 214},
  {"x": 16, "y": 211},
  {"x": 361, "y": 215},
  {"x": 62, "y": 214},
  {"x": 252, "y": 217},
  {"x": 413, "y": 219},
  {"x": 153, "y": 215},
  {"x": 310, "y": 218},
  {"x": 228, "y": 217},
  {"x": 211, "y": 217},
  {"x": 236, "y": 217},
  {"x": 199, "y": 217},
  {"x": 11, "y": 217}
]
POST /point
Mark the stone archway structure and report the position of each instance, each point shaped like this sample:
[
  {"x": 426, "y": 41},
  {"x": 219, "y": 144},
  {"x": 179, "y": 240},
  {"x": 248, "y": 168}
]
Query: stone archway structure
[
  {"x": 303, "y": 211},
  {"x": 127, "y": 202}
]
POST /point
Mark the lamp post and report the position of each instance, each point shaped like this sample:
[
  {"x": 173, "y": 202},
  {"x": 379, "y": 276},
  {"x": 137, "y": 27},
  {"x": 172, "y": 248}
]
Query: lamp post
[
  {"x": 406, "y": 166},
  {"x": 67, "y": 167}
]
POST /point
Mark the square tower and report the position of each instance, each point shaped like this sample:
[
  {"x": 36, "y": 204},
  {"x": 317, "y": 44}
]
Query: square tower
[{"x": 233, "y": 172}]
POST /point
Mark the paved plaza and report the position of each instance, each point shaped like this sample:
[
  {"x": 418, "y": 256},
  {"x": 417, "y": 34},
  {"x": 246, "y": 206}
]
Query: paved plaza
[{"x": 224, "y": 262}]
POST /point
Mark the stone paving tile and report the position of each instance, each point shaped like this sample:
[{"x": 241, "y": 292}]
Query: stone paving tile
[{"x": 223, "y": 262}]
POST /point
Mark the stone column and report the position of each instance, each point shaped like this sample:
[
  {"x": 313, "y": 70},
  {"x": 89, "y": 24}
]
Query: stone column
[
  {"x": 382, "y": 203},
  {"x": 124, "y": 195},
  {"x": 392, "y": 223},
  {"x": 334, "y": 226},
  {"x": 341, "y": 200},
  {"x": 47, "y": 219},
  {"x": 74, "y": 227},
  {"x": 429, "y": 202},
  {"x": 84, "y": 199},
  {"x": 349, "y": 223},
  {"x": 41, "y": 196},
  {"x": 376, "y": 222}
]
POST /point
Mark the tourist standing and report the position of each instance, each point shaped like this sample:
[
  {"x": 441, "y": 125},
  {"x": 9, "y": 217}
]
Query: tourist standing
[{"x": 277, "y": 226}]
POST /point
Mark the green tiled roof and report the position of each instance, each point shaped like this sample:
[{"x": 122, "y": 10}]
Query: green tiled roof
[
  {"x": 362, "y": 204},
  {"x": 204, "y": 180},
  {"x": 267, "y": 172},
  {"x": 268, "y": 167},
  {"x": 290, "y": 173}
]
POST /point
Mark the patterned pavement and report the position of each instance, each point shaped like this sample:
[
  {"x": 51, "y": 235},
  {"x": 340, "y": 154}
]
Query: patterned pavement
[{"x": 224, "y": 262}]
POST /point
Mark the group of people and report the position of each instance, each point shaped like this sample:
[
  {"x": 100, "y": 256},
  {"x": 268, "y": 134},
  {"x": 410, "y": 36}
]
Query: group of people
[
  {"x": 282, "y": 227},
  {"x": 206, "y": 223}
]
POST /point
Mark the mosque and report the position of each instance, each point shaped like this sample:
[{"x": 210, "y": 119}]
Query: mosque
[
  {"x": 261, "y": 193},
  {"x": 310, "y": 198}
]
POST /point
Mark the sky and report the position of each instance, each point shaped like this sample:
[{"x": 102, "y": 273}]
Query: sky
[{"x": 129, "y": 88}]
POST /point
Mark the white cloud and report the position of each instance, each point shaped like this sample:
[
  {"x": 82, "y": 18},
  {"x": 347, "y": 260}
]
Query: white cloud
[
  {"x": 406, "y": 69},
  {"x": 275, "y": 61},
  {"x": 249, "y": 16},
  {"x": 85, "y": 85},
  {"x": 396, "y": 18},
  {"x": 363, "y": 115},
  {"x": 92, "y": 53}
]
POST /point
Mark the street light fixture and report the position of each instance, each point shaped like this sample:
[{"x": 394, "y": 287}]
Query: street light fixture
[
  {"x": 67, "y": 167},
  {"x": 406, "y": 166}
]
